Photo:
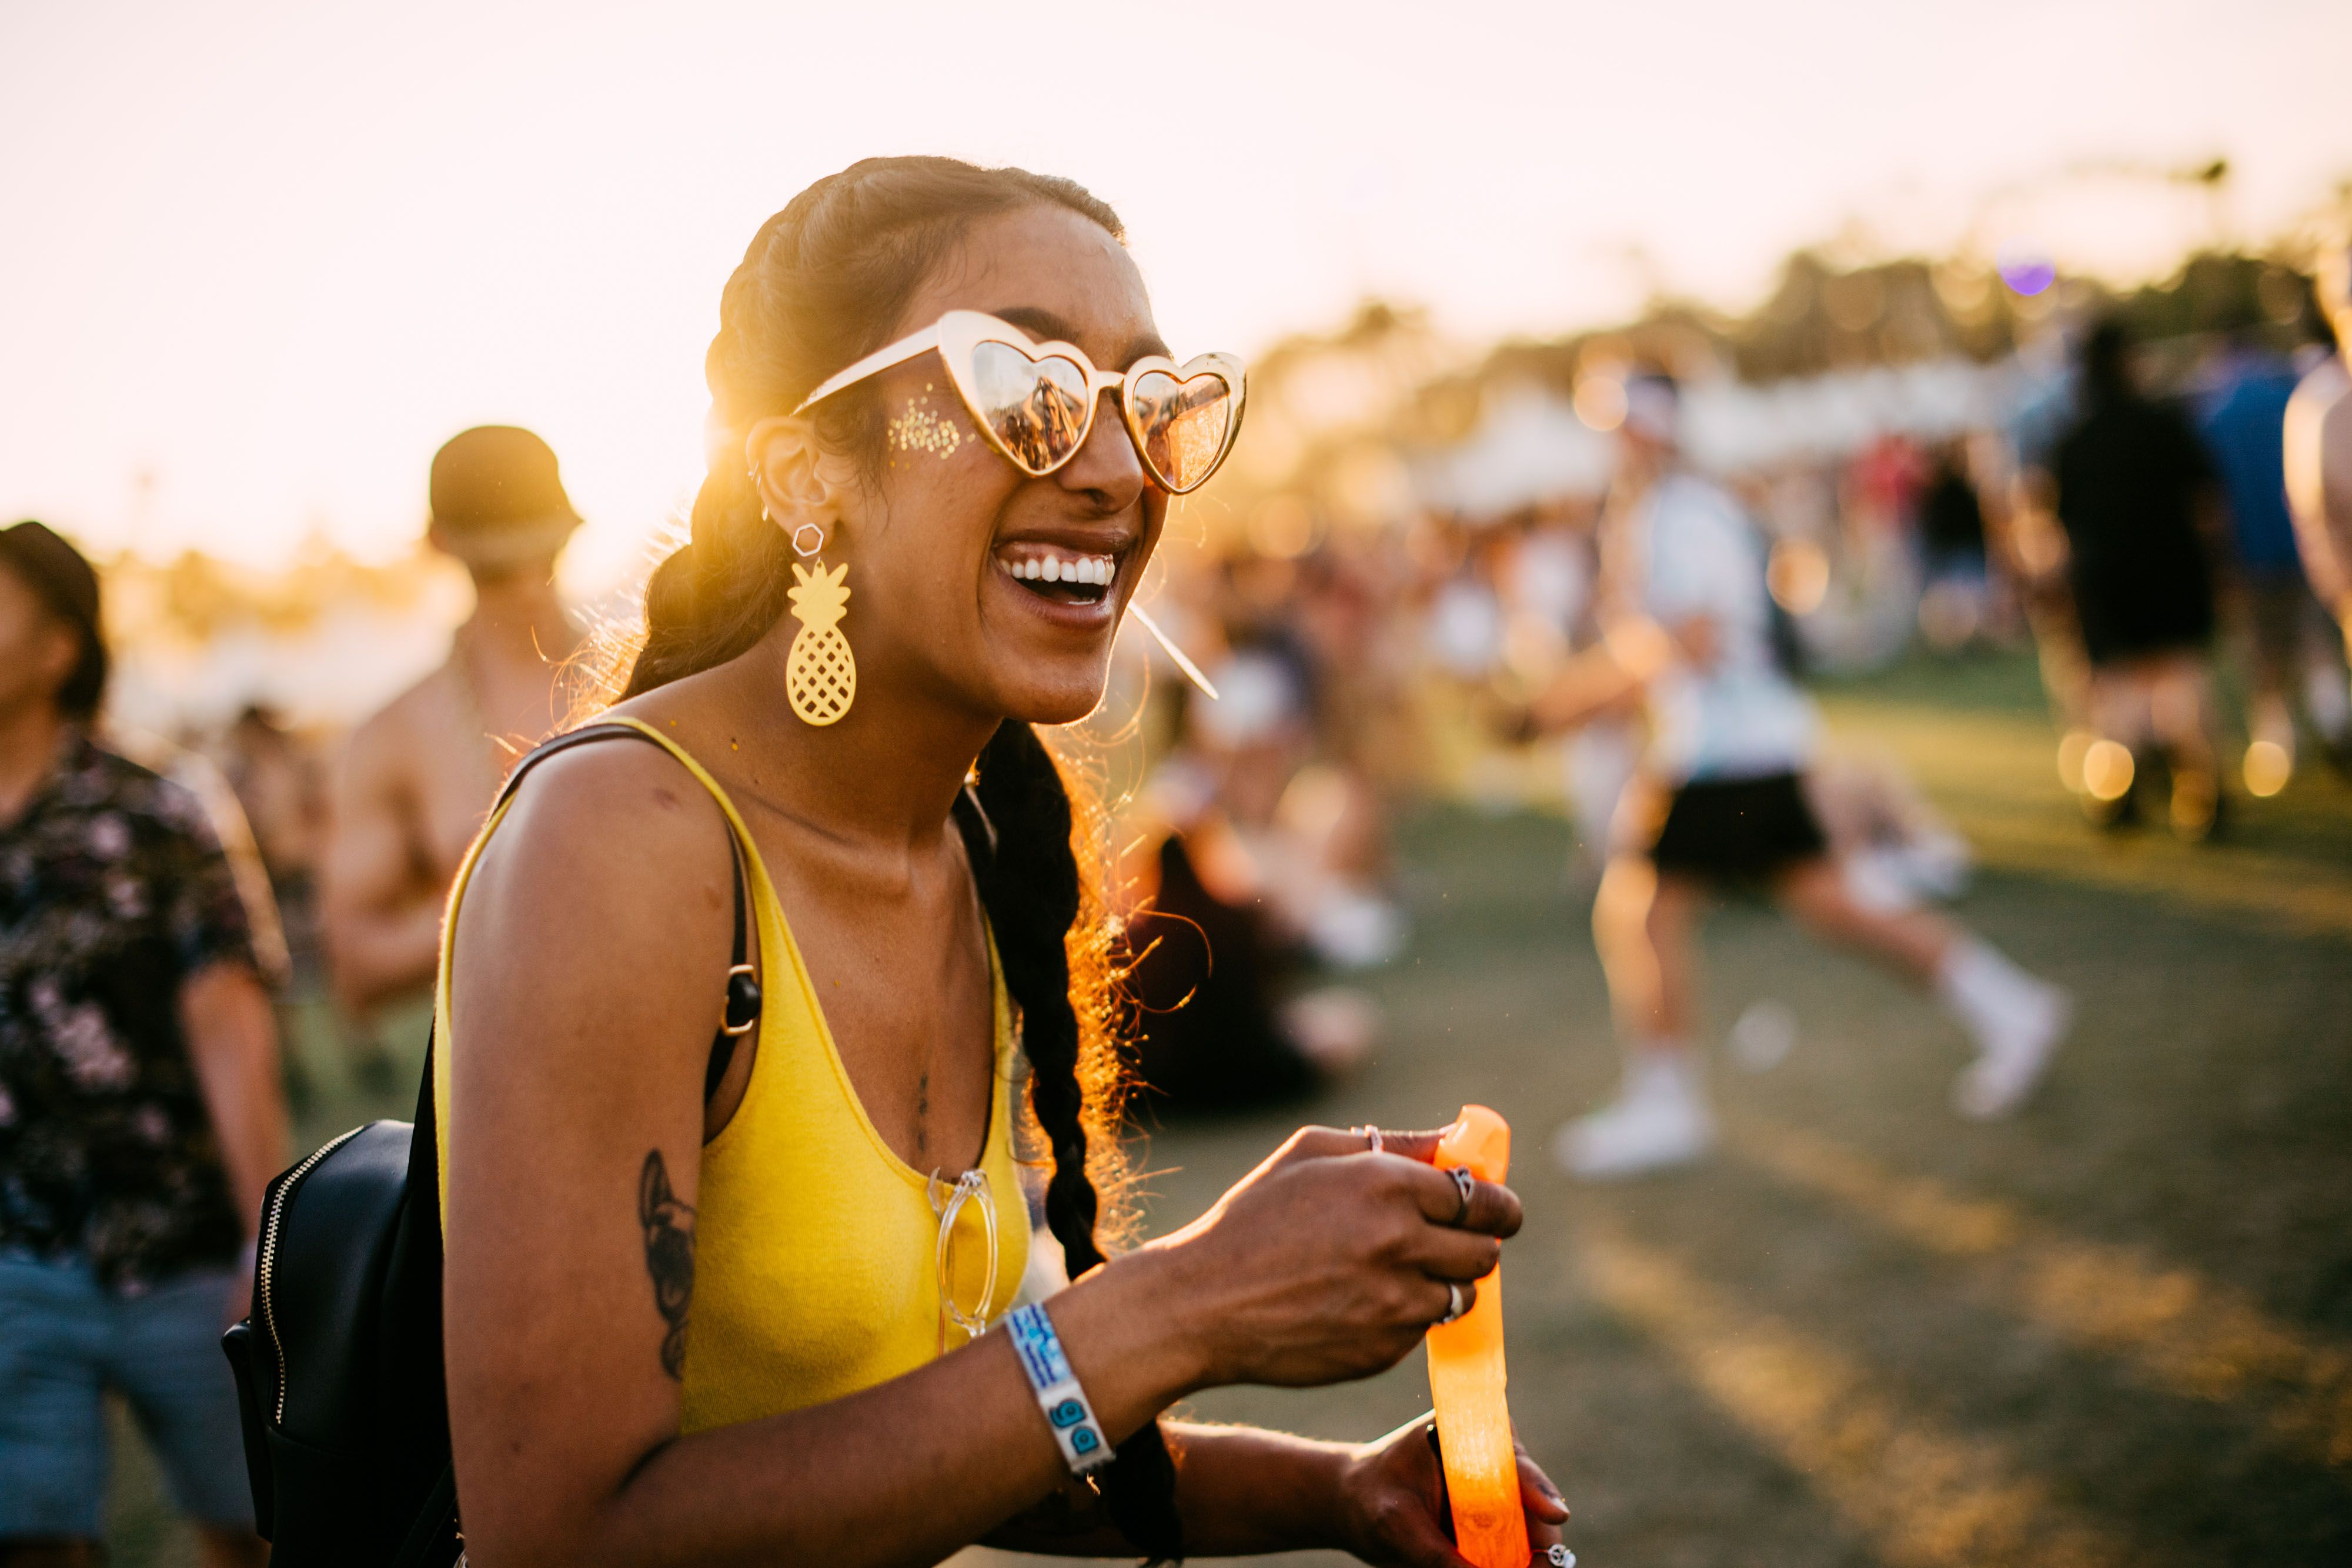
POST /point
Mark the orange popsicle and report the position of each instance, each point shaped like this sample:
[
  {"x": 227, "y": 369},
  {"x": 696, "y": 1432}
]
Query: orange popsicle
[{"x": 1466, "y": 1380}]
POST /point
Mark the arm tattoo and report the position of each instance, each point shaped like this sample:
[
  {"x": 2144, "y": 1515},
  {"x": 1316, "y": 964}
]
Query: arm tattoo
[{"x": 668, "y": 1225}]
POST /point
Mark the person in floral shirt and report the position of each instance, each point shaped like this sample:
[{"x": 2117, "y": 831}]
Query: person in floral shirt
[{"x": 140, "y": 1114}]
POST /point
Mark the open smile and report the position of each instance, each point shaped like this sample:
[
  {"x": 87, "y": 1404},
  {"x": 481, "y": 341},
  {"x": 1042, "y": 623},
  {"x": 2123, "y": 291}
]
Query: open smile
[{"x": 1060, "y": 575}]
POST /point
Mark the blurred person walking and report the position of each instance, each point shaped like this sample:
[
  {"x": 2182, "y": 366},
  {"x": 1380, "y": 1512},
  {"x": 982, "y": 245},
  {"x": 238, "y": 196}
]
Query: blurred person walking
[
  {"x": 2317, "y": 452},
  {"x": 2136, "y": 495},
  {"x": 418, "y": 777},
  {"x": 2294, "y": 661},
  {"x": 140, "y": 1114},
  {"x": 1721, "y": 804}
]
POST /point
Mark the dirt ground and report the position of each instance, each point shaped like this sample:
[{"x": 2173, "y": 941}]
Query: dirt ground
[{"x": 2116, "y": 1330}]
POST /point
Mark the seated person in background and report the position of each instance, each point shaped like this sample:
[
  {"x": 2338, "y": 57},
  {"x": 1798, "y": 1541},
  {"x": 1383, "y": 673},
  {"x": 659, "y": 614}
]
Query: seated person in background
[{"x": 1235, "y": 874}]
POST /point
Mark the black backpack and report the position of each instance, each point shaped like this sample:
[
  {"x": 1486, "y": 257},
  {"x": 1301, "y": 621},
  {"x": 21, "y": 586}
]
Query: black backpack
[{"x": 339, "y": 1372}]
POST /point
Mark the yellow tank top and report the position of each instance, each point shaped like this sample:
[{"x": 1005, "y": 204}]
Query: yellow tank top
[{"x": 816, "y": 1249}]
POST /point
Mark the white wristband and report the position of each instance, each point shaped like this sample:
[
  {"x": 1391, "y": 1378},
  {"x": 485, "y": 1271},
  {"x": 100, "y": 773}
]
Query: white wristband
[{"x": 1071, "y": 1419}]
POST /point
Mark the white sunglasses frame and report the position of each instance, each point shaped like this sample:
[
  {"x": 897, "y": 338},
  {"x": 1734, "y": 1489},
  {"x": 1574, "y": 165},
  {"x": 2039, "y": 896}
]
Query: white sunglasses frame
[{"x": 957, "y": 333}]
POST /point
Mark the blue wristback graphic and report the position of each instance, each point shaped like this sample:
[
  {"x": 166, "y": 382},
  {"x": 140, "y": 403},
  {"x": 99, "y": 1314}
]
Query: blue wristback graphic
[{"x": 1040, "y": 1348}]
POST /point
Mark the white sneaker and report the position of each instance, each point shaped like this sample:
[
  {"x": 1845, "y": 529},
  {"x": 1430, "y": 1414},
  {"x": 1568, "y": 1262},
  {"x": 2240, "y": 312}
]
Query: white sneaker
[
  {"x": 1660, "y": 1120},
  {"x": 2013, "y": 1053}
]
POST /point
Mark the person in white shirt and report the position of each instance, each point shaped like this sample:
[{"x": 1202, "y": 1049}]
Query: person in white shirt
[{"x": 1720, "y": 802}]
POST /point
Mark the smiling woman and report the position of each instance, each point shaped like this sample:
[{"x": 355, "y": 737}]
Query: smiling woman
[{"x": 723, "y": 1291}]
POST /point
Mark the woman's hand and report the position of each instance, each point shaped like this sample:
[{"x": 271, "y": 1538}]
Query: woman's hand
[
  {"x": 1328, "y": 1262},
  {"x": 1392, "y": 1511}
]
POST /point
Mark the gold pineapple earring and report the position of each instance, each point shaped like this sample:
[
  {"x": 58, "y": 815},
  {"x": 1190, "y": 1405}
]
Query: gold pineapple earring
[{"x": 820, "y": 672}]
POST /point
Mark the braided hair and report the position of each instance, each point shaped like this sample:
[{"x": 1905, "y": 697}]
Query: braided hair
[{"x": 821, "y": 285}]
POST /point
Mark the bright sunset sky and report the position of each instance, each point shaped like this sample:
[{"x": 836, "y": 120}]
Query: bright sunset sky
[{"x": 268, "y": 256}]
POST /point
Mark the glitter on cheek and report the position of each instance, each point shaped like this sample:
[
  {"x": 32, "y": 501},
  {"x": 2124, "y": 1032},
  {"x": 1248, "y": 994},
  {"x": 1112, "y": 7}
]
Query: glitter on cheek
[{"x": 920, "y": 430}]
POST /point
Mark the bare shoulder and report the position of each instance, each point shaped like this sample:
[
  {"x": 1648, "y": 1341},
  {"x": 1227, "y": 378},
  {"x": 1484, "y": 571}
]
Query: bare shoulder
[
  {"x": 620, "y": 806},
  {"x": 603, "y": 901}
]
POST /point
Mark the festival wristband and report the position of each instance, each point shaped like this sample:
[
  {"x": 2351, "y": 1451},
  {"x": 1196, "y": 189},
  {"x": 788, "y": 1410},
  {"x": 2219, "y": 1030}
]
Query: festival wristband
[{"x": 1083, "y": 1448}]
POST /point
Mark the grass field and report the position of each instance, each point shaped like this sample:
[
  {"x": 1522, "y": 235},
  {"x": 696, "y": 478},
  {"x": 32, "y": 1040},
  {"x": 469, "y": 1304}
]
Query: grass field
[{"x": 2116, "y": 1330}]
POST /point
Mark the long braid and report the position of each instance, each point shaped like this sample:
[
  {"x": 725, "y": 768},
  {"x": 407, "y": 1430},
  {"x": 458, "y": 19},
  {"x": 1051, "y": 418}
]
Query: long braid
[{"x": 1030, "y": 884}]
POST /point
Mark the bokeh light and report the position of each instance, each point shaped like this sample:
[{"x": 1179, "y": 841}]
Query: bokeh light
[
  {"x": 2268, "y": 767},
  {"x": 2107, "y": 770},
  {"x": 2026, "y": 269}
]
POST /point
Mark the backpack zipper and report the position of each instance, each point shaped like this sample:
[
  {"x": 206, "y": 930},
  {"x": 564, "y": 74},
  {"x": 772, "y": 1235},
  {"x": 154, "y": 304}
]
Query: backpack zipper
[{"x": 270, "y": 1223}]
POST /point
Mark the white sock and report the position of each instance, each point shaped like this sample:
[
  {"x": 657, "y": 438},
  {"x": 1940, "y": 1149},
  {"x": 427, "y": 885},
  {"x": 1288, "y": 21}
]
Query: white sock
[{"x": 1991, "y": 995}]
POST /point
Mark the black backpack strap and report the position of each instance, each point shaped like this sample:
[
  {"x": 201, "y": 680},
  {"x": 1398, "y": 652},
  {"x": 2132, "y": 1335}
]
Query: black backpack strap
[
  {"x": 743, "y": 999},
  {"x": 434, "y": 1530},
  {"x": 436, "y": 1522}
]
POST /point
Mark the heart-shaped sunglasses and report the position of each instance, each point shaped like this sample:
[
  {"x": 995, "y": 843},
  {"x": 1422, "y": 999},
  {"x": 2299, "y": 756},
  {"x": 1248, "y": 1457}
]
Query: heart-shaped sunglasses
[{"x": 1035, "y": 402}]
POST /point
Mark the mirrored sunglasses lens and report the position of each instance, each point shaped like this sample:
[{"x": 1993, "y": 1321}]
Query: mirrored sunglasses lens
[
  {"x": 1182, "y": 423},
  {"x": 1036, "y": 407}
]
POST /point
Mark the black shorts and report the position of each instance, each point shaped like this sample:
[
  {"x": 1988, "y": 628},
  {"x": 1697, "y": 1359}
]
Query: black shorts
[{"x": 1738, "y": 829}]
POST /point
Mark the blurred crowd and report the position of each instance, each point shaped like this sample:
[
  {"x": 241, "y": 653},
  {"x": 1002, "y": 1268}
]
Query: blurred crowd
[{"x": 2152, "y": 520}]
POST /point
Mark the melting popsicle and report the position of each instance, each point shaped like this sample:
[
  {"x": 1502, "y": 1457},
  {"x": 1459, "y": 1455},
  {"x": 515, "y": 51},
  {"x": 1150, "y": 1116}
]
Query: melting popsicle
[{"x": 1466, "y": 1380}]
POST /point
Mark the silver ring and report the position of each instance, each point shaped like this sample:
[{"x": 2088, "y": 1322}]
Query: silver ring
[
  {"x": 1370, "y": 1131},
  {"x": 1463, "y": 1184},
  {"x": 1560, "y": 1556},
  {"x": 816, "y": 549},
  {"x": 1454, "y": 1305}
]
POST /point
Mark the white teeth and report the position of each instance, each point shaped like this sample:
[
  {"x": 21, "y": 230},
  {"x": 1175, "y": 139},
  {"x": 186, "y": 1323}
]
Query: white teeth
[{"x": 1098, "y": 572}]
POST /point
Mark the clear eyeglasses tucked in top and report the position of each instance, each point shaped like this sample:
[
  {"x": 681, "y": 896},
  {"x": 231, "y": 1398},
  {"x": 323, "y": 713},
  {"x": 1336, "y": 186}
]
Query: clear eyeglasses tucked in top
[
  {"x": 1034, "y": 403},
  {"x": 948, "y": 1200}
]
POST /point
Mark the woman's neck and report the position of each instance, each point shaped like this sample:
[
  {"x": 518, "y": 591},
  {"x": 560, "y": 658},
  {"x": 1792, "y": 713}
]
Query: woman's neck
[{"x": 882, "y": 779}]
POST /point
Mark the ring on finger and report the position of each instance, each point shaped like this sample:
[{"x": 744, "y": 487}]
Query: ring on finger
[
  {"x": 1454, "y": 1305},
  {"x": 1463, "y": 1184},
  {"x": 1370, "y": 1134}
]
